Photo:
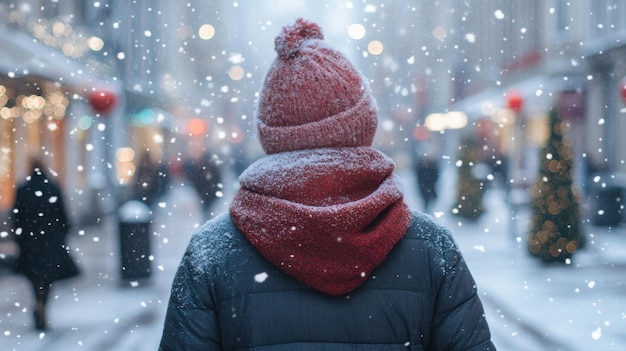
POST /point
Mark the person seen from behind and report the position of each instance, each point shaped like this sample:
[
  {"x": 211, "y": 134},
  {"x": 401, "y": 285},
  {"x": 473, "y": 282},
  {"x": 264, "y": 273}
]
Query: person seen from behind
[
  {"x": 318, "y": 249},
  {"x": 41, "y": 225},
  {"x": 427, "y": 177},
  {"x": 205, "y": 177}
]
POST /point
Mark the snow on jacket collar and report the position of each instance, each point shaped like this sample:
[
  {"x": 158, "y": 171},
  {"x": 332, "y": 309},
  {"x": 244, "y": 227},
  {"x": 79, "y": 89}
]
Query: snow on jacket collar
[{"x": 327, "y": 217}]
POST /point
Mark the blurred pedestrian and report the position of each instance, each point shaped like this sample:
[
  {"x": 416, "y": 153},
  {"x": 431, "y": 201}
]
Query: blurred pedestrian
[
  {"x": 41, "y": 225},
  {"x": 318, "y": 250},
  {"x": 205, "y": 176},
  {"x": 499, "y": 167},
  {"x": 151, "y": 180},
  {"x": 427, "y": 177}
]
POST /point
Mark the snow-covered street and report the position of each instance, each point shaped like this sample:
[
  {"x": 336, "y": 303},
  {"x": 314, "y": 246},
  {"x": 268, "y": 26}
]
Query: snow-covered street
[
  {"x": 535, "y": 306},
  {"x": 529, "y": 305},
  {"x": 126, "y": 125},
  {"x": 99, "y": 310}
]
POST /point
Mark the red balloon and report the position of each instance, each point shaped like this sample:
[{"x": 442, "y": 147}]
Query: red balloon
[
  {"x": 102, "y": 101},
  {"x": 622, "y": 89},
  {"x": 515, "y": 101}
]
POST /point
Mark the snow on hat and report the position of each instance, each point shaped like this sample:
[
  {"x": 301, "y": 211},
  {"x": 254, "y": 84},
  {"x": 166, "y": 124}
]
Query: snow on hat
[{"x": 312, "y": 96}]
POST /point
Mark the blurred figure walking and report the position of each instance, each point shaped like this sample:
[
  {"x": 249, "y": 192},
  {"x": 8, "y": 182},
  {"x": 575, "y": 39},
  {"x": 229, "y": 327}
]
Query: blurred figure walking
[
  {"x": 41, "y": 226},
  {"x": 151, "y": 180},
  {"x": 205, "y": 176},
  {"x": 427, "y": 172}
]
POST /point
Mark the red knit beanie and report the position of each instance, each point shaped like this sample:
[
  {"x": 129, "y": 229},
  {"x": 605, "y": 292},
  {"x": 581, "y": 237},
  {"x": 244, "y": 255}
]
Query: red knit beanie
[{"x": 312, "y": 96}]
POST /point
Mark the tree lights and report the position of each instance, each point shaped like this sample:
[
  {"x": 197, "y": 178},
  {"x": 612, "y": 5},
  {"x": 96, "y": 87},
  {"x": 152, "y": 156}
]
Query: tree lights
[{"x": 556, "y": 229}]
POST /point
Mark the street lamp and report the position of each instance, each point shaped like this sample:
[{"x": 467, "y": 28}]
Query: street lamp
[
  {"x": 438, "y": 122},
  {"x": 435, "y": 122},
  {"x": 103, "y": 101},
  {"x": 455, "y": 120}
]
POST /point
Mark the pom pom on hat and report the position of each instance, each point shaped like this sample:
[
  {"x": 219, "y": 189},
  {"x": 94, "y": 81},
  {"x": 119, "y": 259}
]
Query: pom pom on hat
[
  {"x": 312, "y": 96},
  {"x": 288, "y": 42}
]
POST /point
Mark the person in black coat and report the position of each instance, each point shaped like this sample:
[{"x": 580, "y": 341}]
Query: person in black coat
[
  {"x": 427, "y": 177},
  {"x": 318, "y": 250},
  {"x": 41, "y": 225},
  {"x": 151, "y": 180},
  {"x": 205, "y": 176}
]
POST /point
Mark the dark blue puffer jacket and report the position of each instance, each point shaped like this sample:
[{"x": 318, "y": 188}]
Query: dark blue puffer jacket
[{"x": 225, "y": 296}]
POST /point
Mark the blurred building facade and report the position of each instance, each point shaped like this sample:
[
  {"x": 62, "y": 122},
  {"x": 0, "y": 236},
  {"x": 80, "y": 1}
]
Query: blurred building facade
[
  {"x": 185, "y": 76},
  {"x": 539, "y": 55},
  {"x": 504, "y": 65},
  {"x": 45, "y": 91}
]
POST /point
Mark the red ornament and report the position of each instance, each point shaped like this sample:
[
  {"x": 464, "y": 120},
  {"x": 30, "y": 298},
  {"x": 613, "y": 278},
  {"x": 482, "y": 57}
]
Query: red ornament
[
  {"x": 515, "y": 101},
  {"x": 421, "y": 133},
  {"x": 102, "y": 101},
  {"x": 622, "y": 89}
]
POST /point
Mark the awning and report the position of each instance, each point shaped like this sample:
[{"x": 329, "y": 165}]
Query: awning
[
  {"x": 136, "y": 102},
  {"x": 539, "y": 94},
  {"x": 21, "y": 55}
]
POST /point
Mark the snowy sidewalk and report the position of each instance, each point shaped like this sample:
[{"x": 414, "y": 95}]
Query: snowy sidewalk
[
  {"x": 535, "y": 306},
  {"x": 98, "y": 310},
  {"x": 530, "y": 306}
]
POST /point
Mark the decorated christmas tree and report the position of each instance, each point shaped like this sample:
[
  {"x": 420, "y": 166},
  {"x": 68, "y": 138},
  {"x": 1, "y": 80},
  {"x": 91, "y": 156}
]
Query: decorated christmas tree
[
  {"x": 470, "y": 185},
  {"x": 555, "y": 230}
]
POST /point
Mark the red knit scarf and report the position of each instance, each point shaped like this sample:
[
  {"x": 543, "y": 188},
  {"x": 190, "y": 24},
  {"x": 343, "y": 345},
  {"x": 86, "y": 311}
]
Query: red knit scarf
[{"x": 327, "y": 217}]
